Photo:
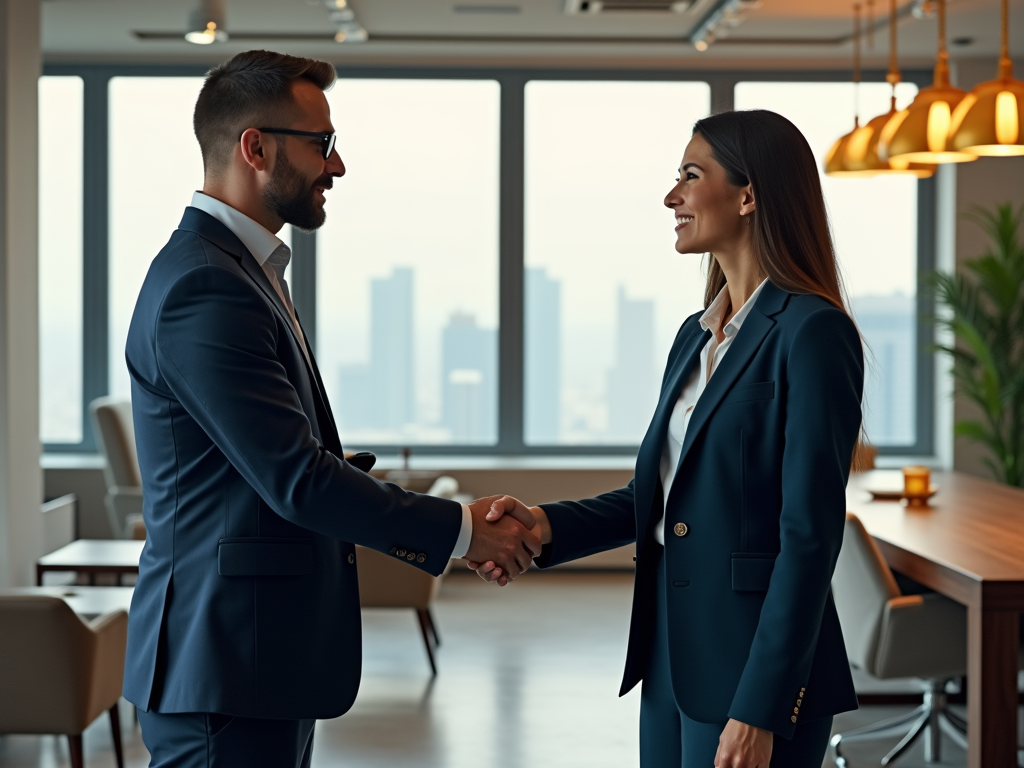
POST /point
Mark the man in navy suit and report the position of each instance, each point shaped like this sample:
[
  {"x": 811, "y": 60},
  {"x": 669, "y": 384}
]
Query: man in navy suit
[{"x": 245, "y": 622}]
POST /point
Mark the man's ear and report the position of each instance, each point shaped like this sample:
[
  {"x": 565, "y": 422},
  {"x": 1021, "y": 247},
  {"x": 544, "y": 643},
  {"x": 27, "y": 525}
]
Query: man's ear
[
  {"x": 747, "y": 203},
  {"x": 254, "y": 151}
]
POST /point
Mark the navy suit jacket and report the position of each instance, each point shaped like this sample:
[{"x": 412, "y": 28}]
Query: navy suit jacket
[
  {"x": 247, "y": 602},
  {"x": 753, "y": 631}
]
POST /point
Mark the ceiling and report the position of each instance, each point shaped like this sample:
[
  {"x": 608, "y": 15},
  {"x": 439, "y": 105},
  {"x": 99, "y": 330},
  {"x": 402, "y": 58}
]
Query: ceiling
[{"x": 798, "y": 33}]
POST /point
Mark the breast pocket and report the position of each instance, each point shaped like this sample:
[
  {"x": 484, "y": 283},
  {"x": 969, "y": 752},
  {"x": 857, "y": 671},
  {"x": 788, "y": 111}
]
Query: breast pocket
[{"x": 759, "y": 390}]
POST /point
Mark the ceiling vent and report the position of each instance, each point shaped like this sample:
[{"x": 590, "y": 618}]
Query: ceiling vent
[{"x": 629, "y": 6}]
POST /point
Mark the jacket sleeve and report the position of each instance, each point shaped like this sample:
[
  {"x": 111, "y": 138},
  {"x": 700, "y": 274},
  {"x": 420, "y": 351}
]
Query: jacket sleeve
[
  {"x": 216, "y": 348},
  {"x": 581, "y": 528},
  {"x": 825, "y": 377}
]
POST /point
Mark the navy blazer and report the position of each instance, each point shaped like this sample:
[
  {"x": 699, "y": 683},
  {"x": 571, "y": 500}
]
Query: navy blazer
[
  {"x": 753, "y": 630},
  {"x": 247, "y": 602}
]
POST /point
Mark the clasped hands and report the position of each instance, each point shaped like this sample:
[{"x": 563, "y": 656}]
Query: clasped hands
[{"x": 507, "y": 535}]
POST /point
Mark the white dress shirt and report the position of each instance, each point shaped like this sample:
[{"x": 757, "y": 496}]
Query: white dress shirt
[
  {"x": 264, "y": 244},
  {"x": 710, "y": 358}
]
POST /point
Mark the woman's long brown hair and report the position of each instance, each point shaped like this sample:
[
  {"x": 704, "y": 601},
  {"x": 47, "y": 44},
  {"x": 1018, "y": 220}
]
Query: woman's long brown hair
[
  {"x": 792, "y": 240},
  {"x": 791, "y": 236}
]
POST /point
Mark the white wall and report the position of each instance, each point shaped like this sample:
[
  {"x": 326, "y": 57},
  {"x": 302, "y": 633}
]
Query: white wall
[{"x": 21, "y": 529}]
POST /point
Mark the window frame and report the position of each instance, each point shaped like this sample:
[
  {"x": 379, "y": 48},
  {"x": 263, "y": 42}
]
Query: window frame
[{"x": 511, "y": 227}]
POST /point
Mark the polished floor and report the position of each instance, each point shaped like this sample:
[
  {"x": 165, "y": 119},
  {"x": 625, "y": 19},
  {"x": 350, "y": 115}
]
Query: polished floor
[{"x": 528, "y": 677}]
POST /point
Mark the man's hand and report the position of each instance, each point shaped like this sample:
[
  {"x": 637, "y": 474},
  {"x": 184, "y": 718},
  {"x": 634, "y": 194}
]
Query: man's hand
[
  {"x": 533, "y": 518},
  {"x": 504, "y": 541},
  {"x": 744, "y": 746}
]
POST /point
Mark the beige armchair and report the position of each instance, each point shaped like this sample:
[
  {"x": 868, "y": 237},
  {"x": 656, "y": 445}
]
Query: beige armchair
[
  {"x": 385, "y": 582},
  {"x": 115, "y": 434},
  {"x": 889, "y": 635},
  {"x": 57, "y": 672}
]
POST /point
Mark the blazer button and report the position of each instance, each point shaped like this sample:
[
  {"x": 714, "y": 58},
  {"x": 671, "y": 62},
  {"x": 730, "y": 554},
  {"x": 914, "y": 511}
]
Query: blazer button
[
  {"x": 400, "y": 553},
  {"x": 793, "y": 718},
  {"x": 421, "y": 558},
  {"x": 411, "y": 556},
  {"x": 680, "y": 529},
  {"x": 351, "y": 558},
  {"x": 796, "y": 710}
]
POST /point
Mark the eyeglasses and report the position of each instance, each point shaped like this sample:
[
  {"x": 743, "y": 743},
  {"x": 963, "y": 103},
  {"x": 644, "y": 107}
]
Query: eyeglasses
[{"x": 327, "y": 140}]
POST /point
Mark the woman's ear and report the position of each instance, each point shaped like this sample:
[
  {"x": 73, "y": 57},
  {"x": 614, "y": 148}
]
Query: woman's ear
[{"x": 747, "y": 203}]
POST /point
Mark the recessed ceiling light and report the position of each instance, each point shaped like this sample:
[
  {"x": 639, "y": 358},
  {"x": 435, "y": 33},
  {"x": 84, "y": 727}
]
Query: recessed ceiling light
[{"x": 206, "y": 23}]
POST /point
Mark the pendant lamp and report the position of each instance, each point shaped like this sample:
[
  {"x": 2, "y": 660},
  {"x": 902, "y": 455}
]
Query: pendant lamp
[
  {"x": 835, "y": 160},
  {"x": 919, "y": 133},
  {"x": 987, "y": 121},
  {"x": 862, "y": 149}
]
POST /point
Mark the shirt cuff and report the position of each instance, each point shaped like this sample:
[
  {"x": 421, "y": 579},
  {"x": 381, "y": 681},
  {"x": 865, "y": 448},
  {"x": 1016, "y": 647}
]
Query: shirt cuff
[{"x": 465, "y": 533}]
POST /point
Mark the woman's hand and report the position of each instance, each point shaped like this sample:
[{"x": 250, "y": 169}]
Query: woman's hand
[
  {"x": 509, "y": 505},
  {"x": 744, "y": 746}
]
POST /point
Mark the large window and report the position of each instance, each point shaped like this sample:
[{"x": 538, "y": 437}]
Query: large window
[
  {"x": 874, "y": 223},
  {"x": 605, "y": 290},
  {"x": 497, "y": 270},
  {"x": 60, "y": 259},
  {"x": 407, "y": 264}
]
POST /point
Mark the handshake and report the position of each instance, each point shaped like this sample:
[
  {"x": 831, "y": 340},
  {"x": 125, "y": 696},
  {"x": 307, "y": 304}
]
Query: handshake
[{"x": 507, "y": 535}]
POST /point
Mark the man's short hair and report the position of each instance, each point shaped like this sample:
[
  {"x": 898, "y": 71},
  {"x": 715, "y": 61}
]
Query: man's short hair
[{"x": 250, "y": 90}]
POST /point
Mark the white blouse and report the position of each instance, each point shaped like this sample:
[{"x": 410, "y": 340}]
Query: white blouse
[{"x": 710, "y": 358}]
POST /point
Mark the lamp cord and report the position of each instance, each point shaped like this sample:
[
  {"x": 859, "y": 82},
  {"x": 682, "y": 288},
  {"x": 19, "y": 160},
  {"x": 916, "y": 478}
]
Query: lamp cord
[
  {"x": 856, "y": 65},
  {"x": 942, "y": 62},
  {"x": 893, "y": 77},
  {"x": 1005, "y": 63}
]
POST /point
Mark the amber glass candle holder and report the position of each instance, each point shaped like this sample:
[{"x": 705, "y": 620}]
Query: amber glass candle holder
[{"x": 916, "y": 485}]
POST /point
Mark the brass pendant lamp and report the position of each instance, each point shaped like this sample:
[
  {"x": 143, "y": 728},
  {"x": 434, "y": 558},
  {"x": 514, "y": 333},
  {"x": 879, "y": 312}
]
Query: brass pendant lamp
[
  {"x": 862, "y": 149},
  {"x": 835, "y": 160},
  {"x": 919, "y": 134},
  {"x": 987, "y": 121}
]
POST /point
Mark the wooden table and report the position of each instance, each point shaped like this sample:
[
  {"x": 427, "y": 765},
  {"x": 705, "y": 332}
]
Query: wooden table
[
  {"x": 87, "y": 602},
  {"x": 968, "y": 545},
  {"x": 93, "y": 556}
]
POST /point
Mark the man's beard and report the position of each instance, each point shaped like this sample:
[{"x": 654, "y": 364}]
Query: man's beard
[{"x": 291, "y": 197}]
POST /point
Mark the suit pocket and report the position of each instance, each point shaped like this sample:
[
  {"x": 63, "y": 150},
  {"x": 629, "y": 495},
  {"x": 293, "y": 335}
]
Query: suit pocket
[
  {"x": 752, "y": 571},
  {"x": 759, "y": 390},
  {"x": 265, "y": 557}
]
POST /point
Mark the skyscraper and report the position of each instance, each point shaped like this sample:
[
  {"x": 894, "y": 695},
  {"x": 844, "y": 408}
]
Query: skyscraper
[
  {"x": 543, "y": 356},
  {"x": 391, "y": 349},
  {"x": 632, "y": 384},
  {"x": 469, "y": 380},
  {"x": 379, "y": 396}
]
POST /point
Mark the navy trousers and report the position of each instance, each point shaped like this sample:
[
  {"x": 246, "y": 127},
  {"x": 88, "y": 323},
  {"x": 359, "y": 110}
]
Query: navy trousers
[
  {"x": 201, "y": 740},
  {"x": 669, "y": 739}
]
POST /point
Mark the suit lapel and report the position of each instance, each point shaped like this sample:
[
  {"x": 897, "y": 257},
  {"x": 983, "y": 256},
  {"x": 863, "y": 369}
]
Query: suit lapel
[
  {"x": 742, "y": 350},
  {"x": 649, "y": 458},
  {"x": 324, "y": 415}
]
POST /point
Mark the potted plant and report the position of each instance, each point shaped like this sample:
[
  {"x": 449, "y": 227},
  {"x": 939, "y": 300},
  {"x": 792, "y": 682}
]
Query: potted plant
[{"x": 984, "y": 309}]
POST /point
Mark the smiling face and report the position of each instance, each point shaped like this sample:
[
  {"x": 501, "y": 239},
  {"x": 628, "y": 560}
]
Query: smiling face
[
  {"x": 301, "y": 176},
  {"x": 711, "y": 214}
]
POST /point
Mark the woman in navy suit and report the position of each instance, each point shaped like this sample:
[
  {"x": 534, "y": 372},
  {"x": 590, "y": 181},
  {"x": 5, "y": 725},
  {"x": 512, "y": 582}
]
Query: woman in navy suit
[{"x": 737, "y": 503}]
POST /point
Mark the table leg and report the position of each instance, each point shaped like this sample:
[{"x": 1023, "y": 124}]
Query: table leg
[
  {"x": 992, "y": 638},
  {"x": 39, "y": 575}
]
